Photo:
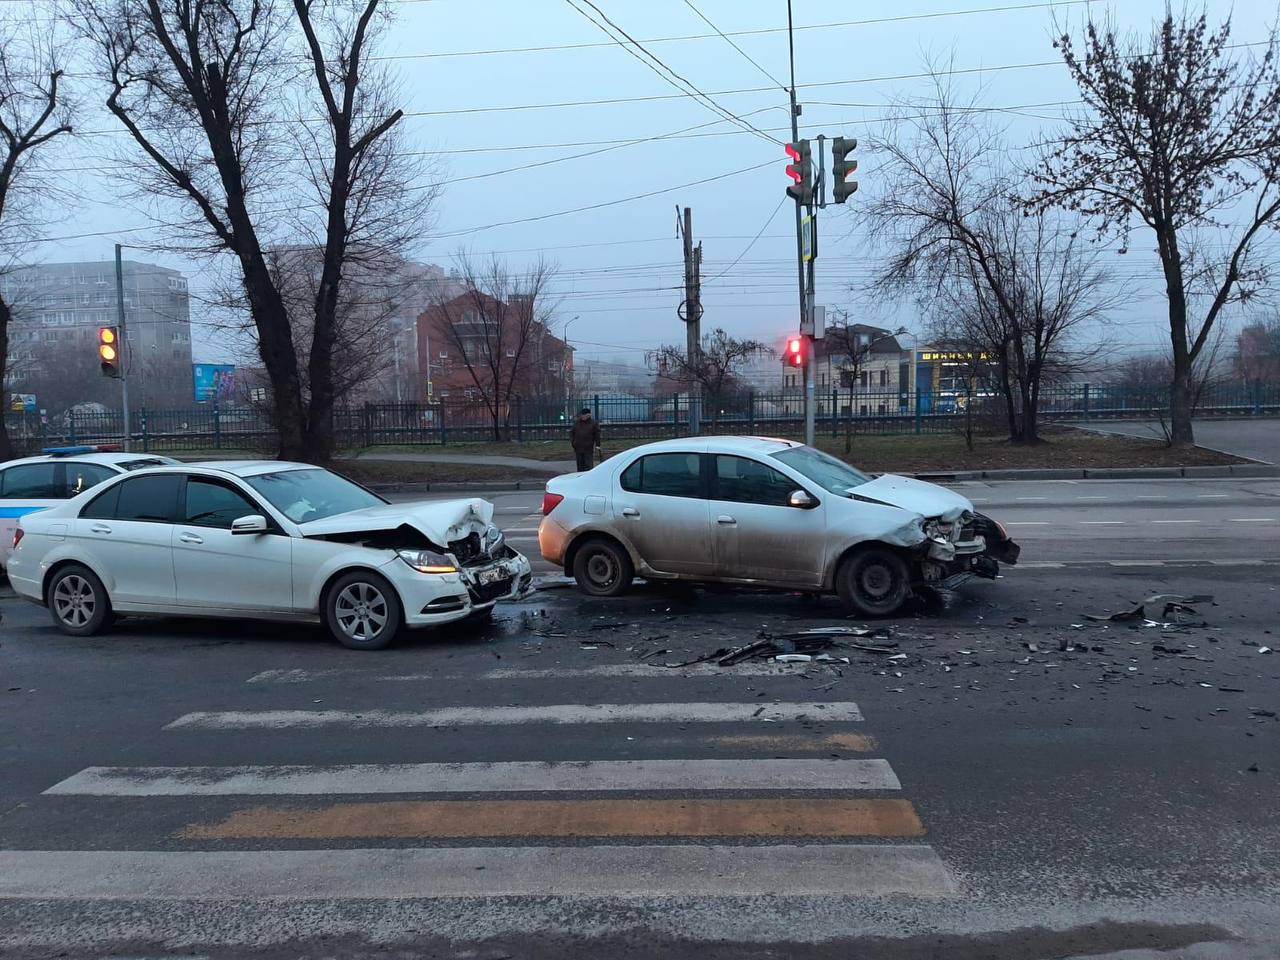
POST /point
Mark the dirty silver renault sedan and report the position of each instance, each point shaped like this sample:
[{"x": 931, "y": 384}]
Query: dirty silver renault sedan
[{"x": 764, "y": 512}]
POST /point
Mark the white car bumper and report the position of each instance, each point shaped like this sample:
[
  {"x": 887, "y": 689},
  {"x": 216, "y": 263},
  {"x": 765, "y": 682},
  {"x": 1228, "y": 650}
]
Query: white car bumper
[{"x": 442, "y": 598}]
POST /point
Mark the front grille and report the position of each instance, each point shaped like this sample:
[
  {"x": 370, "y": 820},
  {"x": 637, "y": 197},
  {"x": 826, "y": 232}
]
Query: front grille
[{"x": 490, "y": 591}]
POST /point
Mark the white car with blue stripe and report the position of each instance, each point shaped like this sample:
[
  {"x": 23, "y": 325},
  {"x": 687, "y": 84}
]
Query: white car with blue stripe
[{"x": 35, "y": 483}]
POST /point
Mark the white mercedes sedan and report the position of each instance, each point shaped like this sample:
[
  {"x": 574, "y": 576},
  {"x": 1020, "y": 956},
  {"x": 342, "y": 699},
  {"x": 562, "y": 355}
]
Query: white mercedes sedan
[{"x": 263, "y": 540}]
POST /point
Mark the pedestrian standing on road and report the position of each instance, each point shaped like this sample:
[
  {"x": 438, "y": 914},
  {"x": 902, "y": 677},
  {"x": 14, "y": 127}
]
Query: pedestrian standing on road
[{"x": 584, "y": 437}]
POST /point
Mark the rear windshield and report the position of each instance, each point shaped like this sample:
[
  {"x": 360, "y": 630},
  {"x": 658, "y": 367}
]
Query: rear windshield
[
  {"x": 143, "y": 463},
  {"x": 834, "y": 476}
]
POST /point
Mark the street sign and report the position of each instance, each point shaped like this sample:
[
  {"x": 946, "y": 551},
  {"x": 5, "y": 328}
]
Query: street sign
[
  {"x": 22, "y": 402},
  {"x": 806, "y": 233},
  {"x": 213, "y": 381}
]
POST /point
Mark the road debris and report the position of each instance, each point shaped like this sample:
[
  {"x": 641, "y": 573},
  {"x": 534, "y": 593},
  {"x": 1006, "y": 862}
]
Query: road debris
[{"x": 793, "y": 658}]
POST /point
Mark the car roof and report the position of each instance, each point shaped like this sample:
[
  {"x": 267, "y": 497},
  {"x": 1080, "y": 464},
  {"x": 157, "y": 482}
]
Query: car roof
[
  {"x": 239, "y": 468},
  {"x": 761, "y": 446},
  {"x": 110, "y": 459}
]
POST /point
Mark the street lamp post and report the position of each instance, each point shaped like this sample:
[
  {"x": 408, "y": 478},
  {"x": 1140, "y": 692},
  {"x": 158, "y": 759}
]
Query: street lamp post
[{"x": 564, "y": 369}]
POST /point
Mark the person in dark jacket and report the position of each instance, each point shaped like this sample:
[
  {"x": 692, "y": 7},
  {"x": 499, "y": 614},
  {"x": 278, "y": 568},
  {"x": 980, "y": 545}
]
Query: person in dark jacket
[{"x": 584, "y": 437}]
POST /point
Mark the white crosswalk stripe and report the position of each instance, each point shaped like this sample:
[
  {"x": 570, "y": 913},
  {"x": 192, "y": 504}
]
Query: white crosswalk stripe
[
  {"x": 390, "y": 874},
  {"x": 570, "y": 713},
  {"x": 535, "y": 776}
]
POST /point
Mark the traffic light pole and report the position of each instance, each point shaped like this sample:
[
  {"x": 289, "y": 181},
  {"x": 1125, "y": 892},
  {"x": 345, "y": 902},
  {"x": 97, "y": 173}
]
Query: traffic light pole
[
  {"x": 805, "y": 276},
  {"x": 123, "y": 344}
]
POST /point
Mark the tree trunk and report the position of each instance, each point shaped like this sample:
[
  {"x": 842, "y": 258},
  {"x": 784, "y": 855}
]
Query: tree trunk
[
  {"x": 1180, "y": 405},
  {"x": 6, "y": 446},
  {"x": 275, "y": 345},
  {"x": 1030, "y": 418},
  {"x": 1006, "y": 389},
  {"x": 1181, "y": 433}
]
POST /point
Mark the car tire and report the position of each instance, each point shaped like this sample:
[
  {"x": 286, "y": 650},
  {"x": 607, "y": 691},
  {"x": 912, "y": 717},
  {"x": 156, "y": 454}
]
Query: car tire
[
  {"x": 363, "y": 611},
  {"x": 78, "y": 601},
  {"x": 602, "y": 568},
  {"x": 874, "y": 581}
]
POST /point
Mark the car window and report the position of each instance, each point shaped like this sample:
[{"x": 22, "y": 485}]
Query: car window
[
  {"x": 153, "y": 499},
  {"x": 665, "y": 475},
  {"x": 211, "y": 504},
  {"x": 32, "y": 481},
  {"x": 748, "y": 481},
  {"x": 834, "y": 476},
  {"x": 103, "y": 506},
  {"x": 82, "y": 476},
  {"x": 305, "y": 495}
]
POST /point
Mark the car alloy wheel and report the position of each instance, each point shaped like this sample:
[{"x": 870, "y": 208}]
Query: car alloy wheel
[
  {"x": 78, "y": 602},
  {"x": 74, "y": 601},
  {"x": 361, "y": 611}
]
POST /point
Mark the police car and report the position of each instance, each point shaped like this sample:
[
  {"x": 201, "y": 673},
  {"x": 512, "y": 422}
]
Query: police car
[{"x": 34, "y": 483}]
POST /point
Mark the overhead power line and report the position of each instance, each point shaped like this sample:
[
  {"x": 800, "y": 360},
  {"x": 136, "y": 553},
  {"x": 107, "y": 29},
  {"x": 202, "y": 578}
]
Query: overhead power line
[
  {"x": 761, "y": 31},
  {"x": 703, "y": 18},
  {"x": 655, "y": 64}
]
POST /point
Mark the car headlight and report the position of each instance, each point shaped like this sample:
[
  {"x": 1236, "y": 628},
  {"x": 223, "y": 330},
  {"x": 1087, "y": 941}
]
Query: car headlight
[{"x": 427, "y": 561}]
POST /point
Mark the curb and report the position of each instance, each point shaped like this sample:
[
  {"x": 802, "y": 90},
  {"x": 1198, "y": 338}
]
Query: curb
[{"x": 1218, "y": 471}]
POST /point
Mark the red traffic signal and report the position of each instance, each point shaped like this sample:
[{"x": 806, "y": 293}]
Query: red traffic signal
[
  {"x": 800, "y": 170},
  {"x": 109, "y": 351},
  {"x": 795, "y": 351}
]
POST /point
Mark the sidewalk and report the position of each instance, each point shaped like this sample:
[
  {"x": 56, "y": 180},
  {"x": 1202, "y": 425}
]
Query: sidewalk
[
  {"x": 1254, "y": 438},
  {"x": 551, "y": 467}
]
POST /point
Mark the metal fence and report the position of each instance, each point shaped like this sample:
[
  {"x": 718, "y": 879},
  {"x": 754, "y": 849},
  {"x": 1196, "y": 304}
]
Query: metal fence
[{"x": 213, "y": 428}]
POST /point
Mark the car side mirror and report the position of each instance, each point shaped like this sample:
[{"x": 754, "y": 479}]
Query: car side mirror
[
  {"x": 801, "y": 500},
  {"x": 254, "y": 523}
]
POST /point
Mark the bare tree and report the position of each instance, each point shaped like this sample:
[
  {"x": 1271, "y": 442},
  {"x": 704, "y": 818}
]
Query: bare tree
[
  {"x": 33, "y": 113},
  {"x": 494, "y": 327},
  {"x": 952, "y": 222},
  {"x": 1181, "y": 132},
  {"x": 205, "y": 88},
  {"x": 713, "y": 372}
]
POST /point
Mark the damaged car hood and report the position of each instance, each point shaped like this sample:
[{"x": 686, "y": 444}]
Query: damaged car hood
[
  {"x": 440, "y": 521},
  {"x": 927, "y": 499}
]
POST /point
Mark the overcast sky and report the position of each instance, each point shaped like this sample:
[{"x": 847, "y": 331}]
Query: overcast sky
[{"x": 619, "y": 265}]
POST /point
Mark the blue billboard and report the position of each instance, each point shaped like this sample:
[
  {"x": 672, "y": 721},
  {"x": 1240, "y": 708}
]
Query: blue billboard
[{"x": 213, "y": 381}]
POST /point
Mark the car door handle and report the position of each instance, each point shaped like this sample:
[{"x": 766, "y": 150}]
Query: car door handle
[
  {"x": 190, "y": 538},
  {"x": 630, "y": 512},
  {"x": 727, "y": 520},
  {"x": 99, "y": 528}
]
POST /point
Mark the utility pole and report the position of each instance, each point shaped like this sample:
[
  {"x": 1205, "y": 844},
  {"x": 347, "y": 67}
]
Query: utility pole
[
  {"x": 691, "y": 314},
  {"x": 126, "y": 354}
]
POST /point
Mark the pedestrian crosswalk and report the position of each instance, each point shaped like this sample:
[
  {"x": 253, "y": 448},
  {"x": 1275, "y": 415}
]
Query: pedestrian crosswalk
[{"x": 727, "y": 798}]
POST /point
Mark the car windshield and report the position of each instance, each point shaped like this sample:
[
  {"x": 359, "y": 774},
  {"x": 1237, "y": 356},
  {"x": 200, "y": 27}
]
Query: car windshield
[
  {"x": 834, "y": 476},
  {"x": 304, "y": 495}
]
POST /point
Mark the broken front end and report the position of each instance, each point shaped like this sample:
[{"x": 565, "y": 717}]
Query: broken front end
[{"x": 969, "y": 545}]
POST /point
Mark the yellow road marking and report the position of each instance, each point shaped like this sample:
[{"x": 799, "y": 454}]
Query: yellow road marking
[{"x": 787, "y": 817}]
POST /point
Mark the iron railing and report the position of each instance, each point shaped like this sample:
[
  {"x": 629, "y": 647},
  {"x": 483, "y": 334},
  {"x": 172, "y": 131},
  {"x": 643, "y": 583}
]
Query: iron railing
[{"x": 459, "y": 420}]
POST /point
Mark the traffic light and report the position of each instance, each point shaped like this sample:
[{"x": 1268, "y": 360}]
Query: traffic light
[
  {"x": 795, "y": 351},
  {"x": 842, "y": 167},
  {"x": 800, "y": 170},
  {"x": 109, "y": 351}
]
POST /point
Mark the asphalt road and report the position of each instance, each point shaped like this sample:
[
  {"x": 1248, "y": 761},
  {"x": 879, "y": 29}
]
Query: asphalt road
[
  {"x": 1074, "y": 522},
  {"x": 548, "y": 788}
]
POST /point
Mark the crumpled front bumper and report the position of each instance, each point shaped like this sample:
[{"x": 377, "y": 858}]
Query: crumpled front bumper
[
  {"x": 435, "y": 599},
  {"x": 978, "y": 550}
]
